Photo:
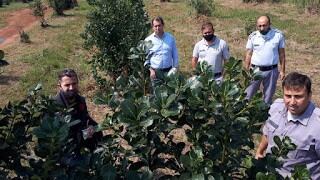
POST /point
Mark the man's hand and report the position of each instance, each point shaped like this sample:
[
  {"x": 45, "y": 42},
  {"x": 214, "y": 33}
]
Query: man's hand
[
  {"x": 90, "y": 131},
  {"x": 282, "y": 75},
  {"x": 152, "y": 73},
  {"x": 259, "y": 155}
]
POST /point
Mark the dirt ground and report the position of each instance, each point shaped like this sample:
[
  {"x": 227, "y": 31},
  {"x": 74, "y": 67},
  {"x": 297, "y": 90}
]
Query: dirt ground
[{"x": 16, "y": 22}]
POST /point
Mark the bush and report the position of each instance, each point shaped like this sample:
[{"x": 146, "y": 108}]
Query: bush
[
  {"x": 202, "y": 7},
  {"x": 191, "y": 128},
  {"x": 24, "y": 37},
  {"x": 39, "y": 11},
  {"x": 113, "y": 28},
  {"x": 58, "y": 6}
]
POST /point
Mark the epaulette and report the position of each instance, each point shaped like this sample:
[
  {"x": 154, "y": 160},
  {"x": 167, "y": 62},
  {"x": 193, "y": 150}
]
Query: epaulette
[
  {"x": 279, "y": 100},
  {"x": 277, "y": 105},
  {"x": 317, "y": 112},
  {"x": 252, "y": 34}
]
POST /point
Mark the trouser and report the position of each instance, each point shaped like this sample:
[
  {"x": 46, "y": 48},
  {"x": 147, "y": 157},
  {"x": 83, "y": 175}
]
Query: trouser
[
  {"x": 160, "y": 77},
  {"x": 269, "y": 82}
]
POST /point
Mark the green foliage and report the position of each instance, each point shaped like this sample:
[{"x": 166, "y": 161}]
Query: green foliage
[
  {"x": 17, "y": 122},
  {"x": 113, "y": 28},
  {"x": 215, "y": 115},
  {"x": 58, "y": 6},
  {"x": 215, "y": 122},
  {"x": 202, "y": 7}
]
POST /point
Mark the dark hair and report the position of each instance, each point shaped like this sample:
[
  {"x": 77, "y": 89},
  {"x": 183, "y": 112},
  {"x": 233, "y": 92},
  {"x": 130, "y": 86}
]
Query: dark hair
[
  {"x": 206, "y": 24},
  {"x": 67, "y": 72},
  {"x": 158, "y": 19},
  {"x": 297, "y": 80}
]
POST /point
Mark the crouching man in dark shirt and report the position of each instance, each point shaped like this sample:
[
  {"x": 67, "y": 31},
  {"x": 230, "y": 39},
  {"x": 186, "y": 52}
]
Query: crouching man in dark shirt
[{"x": 69, "y": 98}]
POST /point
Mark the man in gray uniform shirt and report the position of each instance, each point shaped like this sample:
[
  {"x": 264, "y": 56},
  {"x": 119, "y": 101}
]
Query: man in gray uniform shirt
[
  {"x": 211, "y": 49},
  {"x": 265, "y": 49},
  {"x": 297, "y": 117}
]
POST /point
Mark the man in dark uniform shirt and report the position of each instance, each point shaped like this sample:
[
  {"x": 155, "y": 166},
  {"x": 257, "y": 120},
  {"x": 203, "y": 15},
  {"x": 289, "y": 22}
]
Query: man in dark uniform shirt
[{"x": 68, "y": 97}]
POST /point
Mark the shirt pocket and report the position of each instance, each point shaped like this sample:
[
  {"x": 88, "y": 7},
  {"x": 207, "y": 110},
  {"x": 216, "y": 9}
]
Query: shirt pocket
[{"x": 304, "y": 151}]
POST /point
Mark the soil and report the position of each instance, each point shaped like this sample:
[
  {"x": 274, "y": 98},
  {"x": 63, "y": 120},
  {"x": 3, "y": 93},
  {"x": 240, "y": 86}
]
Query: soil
[{"x": 16, "y": 22}]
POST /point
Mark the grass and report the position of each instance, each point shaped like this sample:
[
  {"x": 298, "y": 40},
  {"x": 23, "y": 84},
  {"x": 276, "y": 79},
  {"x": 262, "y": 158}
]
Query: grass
[
  {"x": 52, "y": 49},
  {"x": 5, "y": 10}
]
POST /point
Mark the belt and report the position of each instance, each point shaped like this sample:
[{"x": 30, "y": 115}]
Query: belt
[
  {"x": 217, "y": 74},
  {"x": 265, "y": 68},
  {"x": 164, "y": 69}
]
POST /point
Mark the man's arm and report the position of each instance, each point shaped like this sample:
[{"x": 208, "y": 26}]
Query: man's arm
[
  {"x": 262, "y": 147},
  {"x": 175, "y": 56},
  {"x": 282, "y": 58},
  {"x": 194, "y": 62},
  {"x": 247, "y": 60}
]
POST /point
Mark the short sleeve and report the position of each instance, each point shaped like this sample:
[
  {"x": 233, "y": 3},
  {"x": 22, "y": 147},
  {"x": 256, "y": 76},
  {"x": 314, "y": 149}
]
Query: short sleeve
[
  {"x": 226, "y": 54},
  {"x": 249, "y": 44},
  {"x": 265, "y": 129},
  {"x": 196, "y": 51},
  {"x": 282, "y": 42}
]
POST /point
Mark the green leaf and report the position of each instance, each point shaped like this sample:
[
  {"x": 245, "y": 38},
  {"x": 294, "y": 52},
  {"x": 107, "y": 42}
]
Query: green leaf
[
  {"x": 278, "y": 142},
  {"x": 172, "y": 112},
  {"x": 170, "y": 100},
  {"x": 146, "y": 123},
  {"x": 108, "y": 172},
  {"x": 301, "y": 172},
  {"x": 198, "y": 177},
  {"x": 275, "y": 150}
]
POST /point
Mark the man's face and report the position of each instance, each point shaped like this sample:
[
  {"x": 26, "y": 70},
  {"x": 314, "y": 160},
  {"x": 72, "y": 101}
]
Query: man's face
[
  {"x": 208, "y": 33},
  {"x": 69, "y": 85},
  {"x": 157, "y": 28},
  {"x": 296, "y": 99},
  {"x": 263, "y": 24}
]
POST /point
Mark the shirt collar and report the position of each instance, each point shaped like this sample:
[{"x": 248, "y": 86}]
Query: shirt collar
[
  {"x": 206, "y": 43},
  {"x": 164, "y": 34},
  {"x": 269, "y": 35},
  {"x": 303, "y": 118}
]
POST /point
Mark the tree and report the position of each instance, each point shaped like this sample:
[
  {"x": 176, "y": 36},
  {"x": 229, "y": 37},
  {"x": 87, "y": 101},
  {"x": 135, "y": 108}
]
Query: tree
[{"x": 113, "y": 28}]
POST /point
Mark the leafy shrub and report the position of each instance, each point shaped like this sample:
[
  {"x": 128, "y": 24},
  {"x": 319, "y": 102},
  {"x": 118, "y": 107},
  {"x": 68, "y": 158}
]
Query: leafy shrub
[
  {"x": 39, "y": 11},
  {"x": 210, "y": 119},
  {"x": 192, "y": 128},
  {"x": 58, "y": 6},
  {"x": 24, "y": 37},
  {"x": 202, "y": 7},
  {"x": 113, "y": 28}
]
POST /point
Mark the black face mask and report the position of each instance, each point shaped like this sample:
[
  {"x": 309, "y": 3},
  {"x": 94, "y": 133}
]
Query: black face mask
[
  {"x": 208, "y": 37},
  {"x": 264, "y": 32}
]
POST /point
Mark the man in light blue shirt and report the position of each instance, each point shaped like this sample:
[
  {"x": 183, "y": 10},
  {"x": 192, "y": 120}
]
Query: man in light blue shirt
[
  {"x": 212, "y": 50},
  {"x": 298, "y": 118},
  {"x": 163, "y": 56},
  {"x": 265, "y": 50}
]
